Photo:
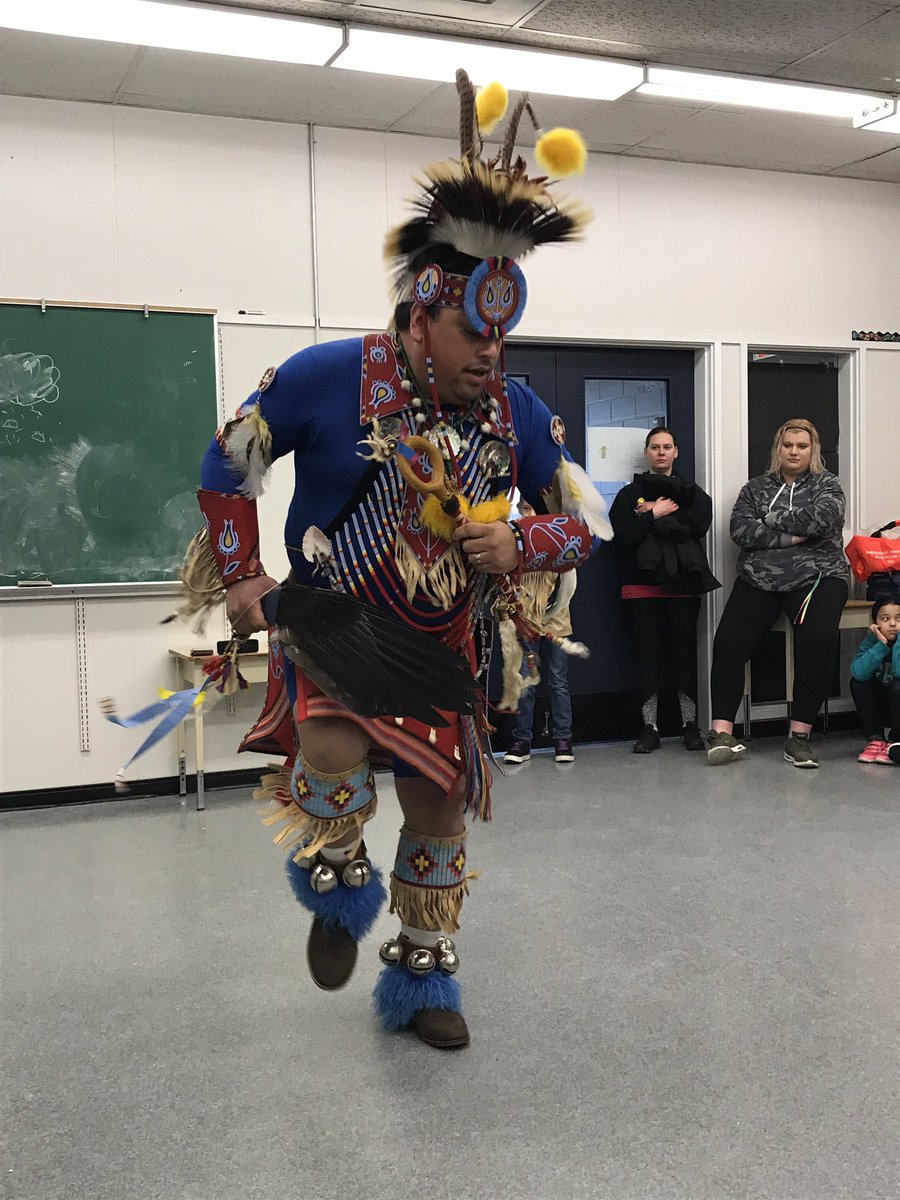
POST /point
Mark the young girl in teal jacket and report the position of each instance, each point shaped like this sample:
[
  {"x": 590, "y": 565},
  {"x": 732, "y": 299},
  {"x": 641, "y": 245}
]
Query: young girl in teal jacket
[{"x": 875, "y": 683}]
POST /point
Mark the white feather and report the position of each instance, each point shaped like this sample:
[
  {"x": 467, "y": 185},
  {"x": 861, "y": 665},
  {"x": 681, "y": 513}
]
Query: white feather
[
  {"x": 481, "y": 240},
  {"x": 582, "y": 500},
  {"x": 248, "y": 459}
]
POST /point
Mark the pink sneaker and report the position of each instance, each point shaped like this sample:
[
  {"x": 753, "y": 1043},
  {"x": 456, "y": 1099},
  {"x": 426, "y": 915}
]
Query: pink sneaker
[{"x": 875, "y": 752}]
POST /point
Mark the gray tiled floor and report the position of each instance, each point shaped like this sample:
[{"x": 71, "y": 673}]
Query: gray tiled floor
[{"x": 682, "y": 982}]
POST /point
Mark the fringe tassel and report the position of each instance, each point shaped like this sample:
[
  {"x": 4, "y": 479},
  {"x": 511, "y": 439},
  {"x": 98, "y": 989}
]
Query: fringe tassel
[
  {"x": 224, "y": 672},
  {"x": 301, "y": 833},
  {"x": 442, "y": 583},
  {"x": 201, "y": 584},
  {"x": 478, "y": 778},
  {"x": 435, "y": 909},
  {"x": 306, "y": 835}
]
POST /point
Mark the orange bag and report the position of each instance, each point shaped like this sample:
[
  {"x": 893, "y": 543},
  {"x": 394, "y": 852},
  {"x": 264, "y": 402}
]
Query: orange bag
[{"x": 874, "y": 554}]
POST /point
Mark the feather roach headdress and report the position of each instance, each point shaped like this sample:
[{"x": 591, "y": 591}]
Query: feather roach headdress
[{"x": 488, "y": 208}]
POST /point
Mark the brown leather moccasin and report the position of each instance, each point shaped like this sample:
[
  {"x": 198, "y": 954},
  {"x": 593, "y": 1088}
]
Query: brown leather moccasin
[
  {"x": 442, "y": 1028},
  {"x": 331, "y": 955}
]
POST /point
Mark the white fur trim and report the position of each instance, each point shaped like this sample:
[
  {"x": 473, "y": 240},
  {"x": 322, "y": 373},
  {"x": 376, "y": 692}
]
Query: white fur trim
[{"x": 565, "y": 590}]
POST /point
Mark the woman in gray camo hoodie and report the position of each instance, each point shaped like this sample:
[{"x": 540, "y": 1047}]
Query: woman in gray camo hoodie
[{"x": 789, "y": 525}]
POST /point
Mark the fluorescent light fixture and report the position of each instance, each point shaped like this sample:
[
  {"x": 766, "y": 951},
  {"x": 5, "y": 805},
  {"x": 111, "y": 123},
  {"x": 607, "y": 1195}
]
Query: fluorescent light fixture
[
  {"x": 384, "y": 52},
  {"x": 178, "y": 27},
  {"x": 710, "y": 88},
  {"x": 882, "y": 118}
]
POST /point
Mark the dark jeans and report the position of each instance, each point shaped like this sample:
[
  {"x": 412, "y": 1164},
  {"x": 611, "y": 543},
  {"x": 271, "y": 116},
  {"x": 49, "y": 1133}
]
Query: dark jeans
[
  {"x": 664, "y": 631},
  {"x": 555, "y": 670},
  {"x": 878, "y": 706},
  {"x": 749, "y": 615}
]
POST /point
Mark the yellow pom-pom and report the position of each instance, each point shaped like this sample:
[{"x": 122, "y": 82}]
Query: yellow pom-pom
[
  {"x": 490, "y": 105},
  {"x": 561, "y": 152},
  {"x": 164, "y": 693}
]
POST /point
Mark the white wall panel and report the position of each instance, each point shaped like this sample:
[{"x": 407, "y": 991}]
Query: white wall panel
[
  {"x": 881, "y": 473},
  {"x": 856, "y": 284},
  {"x": 40, "y": 734},
  {"x": 57, "y": 200},
  {"x": 351, "y": 220},
  {"x": 213, "y": 213}
]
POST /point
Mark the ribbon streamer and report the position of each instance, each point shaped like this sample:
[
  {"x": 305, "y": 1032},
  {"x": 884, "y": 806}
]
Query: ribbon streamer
[{"x": 172, "y": 706}]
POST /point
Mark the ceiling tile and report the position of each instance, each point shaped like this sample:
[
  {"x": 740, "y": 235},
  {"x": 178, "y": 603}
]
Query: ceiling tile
[
  {"x": 884, "y": 167},
  {"x": 58, "y": 68},
  {"x": 769, "y": 141},
  {"x": 867, "y": 58},
  {"x": 765, "y": 29},
  {"x": 604, "y": 125},
  {"x": 238, "y": 87}
]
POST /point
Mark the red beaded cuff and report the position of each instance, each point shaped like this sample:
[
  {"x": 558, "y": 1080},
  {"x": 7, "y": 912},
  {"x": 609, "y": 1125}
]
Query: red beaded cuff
[
  {"x": 553, "y": 543},
  {"x": 233, "y": 534}
]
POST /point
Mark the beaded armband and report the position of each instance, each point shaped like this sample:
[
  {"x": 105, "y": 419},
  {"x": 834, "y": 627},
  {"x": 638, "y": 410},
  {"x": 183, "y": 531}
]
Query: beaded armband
[
  {"x": 553, "y": 543},
  {"x": 520, "y": 541},
  {"x": 233, "y": 534}
]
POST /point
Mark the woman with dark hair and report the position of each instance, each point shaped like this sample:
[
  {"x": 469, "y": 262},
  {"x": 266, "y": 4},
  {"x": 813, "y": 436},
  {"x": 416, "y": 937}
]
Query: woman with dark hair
[
  {"x": 660, "y": 520},
  {"x": 789, "y": 525}
]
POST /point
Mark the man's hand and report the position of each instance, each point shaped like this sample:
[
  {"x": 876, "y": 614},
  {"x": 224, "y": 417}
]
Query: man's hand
[
  {"x": 243, "y": 607},
  {"x": 490, "y": 548}
]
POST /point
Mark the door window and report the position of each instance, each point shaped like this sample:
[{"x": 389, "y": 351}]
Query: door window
[{"x": 618, "y": 413}]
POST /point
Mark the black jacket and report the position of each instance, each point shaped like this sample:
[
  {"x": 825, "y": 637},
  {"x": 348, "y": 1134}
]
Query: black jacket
[{"x": 669, "y": 551}]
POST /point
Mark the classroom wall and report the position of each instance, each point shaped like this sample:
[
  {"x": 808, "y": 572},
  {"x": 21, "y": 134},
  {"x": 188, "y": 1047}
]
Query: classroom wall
[{"x": 101, "y": 203}]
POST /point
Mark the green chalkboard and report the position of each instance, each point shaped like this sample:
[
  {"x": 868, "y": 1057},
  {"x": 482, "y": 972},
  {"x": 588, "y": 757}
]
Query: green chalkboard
[{"x": 104, "y": 417}]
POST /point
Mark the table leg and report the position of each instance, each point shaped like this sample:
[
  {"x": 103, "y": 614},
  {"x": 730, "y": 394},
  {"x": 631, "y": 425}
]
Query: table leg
[
  {"x": 198, "y": 733},
  {"x": 747, "y": 686},
  {"x": 181, "y": 742}
]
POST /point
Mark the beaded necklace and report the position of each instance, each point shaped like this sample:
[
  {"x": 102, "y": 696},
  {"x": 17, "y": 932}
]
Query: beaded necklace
[{"x": 428, "y": 409}]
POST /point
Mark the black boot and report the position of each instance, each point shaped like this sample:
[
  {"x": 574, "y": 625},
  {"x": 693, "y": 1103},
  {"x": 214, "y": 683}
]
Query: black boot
[
  {"x": 647, "y": 742},
  {"x": 692, "y": 737}
]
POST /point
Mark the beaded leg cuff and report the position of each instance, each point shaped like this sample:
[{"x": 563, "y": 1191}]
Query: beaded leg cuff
[
  {"x": 319, "y": 809},
  {"x": 429, "y": 881}
]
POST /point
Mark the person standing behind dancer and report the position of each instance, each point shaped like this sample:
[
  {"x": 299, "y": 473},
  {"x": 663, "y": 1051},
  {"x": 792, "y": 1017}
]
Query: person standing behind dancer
[
  {"x": 659, "y": 521},
  {"x": 789, "y": 525},
  {"x": 875, "y": 682},
  {"x": 540, "y": 592}
]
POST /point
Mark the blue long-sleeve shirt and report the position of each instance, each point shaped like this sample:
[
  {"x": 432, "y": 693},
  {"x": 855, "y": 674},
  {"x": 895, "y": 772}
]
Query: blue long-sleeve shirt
[{"x": 875, "y": 660}]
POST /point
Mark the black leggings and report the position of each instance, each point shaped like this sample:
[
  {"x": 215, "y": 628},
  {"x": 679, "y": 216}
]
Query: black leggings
[
  {"x": 664, "y": 630},
  {"x": 749, "y": 615},
  {"x": 878, "y": 705}
]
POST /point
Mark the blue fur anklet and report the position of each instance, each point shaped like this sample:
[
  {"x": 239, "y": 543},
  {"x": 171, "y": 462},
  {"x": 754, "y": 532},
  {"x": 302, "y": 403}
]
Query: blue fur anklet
[
  {"x": 354, "y": 908},
  {"x": 399, "y": 995}
]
